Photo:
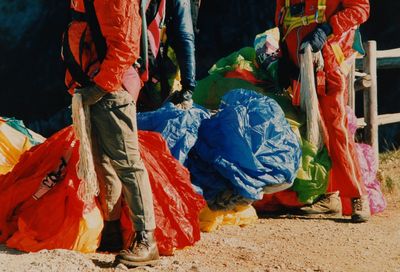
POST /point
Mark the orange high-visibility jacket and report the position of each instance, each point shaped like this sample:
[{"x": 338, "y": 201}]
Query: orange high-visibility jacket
[
  {"x": 342, "y": 15},
  {"x": 120, "y": 24}
]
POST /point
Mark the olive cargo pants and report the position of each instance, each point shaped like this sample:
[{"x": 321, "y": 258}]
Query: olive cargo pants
[{"x": 119, "y": 166}]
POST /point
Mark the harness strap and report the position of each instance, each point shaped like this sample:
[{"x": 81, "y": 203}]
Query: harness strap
[
  {"x": 78, "y": 16},
  {"x": 290, "y": 22},
  {"x": 94, "y": 26},
  {"x": 73, "y": 67}
]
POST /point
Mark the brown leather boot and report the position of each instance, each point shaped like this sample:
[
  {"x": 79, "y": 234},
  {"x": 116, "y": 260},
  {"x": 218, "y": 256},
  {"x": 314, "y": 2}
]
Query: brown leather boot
[
  {"x": 361, "y": 211},
  {"x": 142, "y": 252},
  {"x": 328, "y": 203},
  {"x": 111, "y": 237}
]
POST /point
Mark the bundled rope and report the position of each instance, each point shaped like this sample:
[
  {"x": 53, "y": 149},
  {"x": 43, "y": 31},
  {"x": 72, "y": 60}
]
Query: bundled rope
[
  {"x": 308, "y": 95},
  {"x": 89, "y": 187}
]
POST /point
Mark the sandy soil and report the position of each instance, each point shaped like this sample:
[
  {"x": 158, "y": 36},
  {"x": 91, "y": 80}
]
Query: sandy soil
[{"x": 274, "y": 243}]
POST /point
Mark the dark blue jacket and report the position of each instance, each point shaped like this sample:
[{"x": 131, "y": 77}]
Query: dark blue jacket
[{"x": 181, "y": 37}]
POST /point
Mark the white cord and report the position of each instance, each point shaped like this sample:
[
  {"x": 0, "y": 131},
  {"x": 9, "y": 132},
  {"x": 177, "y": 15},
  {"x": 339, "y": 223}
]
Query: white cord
[
  {"x": 89, "y": 187},
  {"x": 308, "y": 96}
]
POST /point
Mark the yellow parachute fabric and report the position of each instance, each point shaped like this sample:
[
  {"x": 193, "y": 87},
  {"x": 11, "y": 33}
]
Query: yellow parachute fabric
[
  {"x": 240, "y": 216},
  {"x": 12, "y": 144}
]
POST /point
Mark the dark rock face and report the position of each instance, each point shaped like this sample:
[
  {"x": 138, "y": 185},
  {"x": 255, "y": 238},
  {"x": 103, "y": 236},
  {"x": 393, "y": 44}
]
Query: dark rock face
[
  {"x": 228, "y": 25},
  {"x": 32, "y": 75}
]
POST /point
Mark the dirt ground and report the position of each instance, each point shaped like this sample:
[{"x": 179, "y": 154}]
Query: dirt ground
[{"x": 274, "y": 243}]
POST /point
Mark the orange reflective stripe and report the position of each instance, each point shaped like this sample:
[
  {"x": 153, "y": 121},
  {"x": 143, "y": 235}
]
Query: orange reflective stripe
[{"x": 340, "y": 58}]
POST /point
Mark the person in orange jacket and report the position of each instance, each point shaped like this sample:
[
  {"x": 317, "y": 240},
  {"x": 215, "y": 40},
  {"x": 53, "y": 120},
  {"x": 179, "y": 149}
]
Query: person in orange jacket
[
  {"x": 327, "y": 26},
  {"x": 100, "y": 46}
]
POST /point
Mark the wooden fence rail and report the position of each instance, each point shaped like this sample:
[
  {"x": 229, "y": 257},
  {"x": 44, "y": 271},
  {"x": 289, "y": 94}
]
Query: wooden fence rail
[{"x": 367, "y": 82}]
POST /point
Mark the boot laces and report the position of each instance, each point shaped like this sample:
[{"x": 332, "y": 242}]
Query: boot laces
[
  {"x": 141, "y": 242},
  {"x": 357, "y": 204}
]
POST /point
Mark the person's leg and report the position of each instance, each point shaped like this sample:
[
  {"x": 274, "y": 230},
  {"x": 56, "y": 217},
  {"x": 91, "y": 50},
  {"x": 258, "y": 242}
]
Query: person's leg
[
  {"x": 345, "y": 175},
  {"x": 109, "y": 198},
  {"x": 346, "y": 172},
  {"x": 114, "y": 119}
]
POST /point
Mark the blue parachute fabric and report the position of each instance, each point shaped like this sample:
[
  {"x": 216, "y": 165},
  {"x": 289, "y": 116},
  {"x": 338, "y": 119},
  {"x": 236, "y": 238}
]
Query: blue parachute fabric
[
  {"x": 246, "y": 149},
  {"x": 178, "y": 127}
]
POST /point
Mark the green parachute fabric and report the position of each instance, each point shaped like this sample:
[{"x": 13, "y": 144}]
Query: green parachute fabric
[{"x": 312, "y": 178}]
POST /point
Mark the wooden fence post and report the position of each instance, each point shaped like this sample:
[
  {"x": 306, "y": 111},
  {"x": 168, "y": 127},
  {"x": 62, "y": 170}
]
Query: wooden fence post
[
  {"x": 371, "y": 97},
  {"x": 351, "y": 88}
]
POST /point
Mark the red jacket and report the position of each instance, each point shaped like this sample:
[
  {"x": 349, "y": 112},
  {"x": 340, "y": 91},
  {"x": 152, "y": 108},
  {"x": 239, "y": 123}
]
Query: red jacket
[
  {"x": 120, "y": 24},
  {"x": 342, "y": 15}
]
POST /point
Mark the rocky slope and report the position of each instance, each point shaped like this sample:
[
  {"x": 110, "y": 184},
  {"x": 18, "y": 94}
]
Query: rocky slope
[{"x": 31, "y": 73}]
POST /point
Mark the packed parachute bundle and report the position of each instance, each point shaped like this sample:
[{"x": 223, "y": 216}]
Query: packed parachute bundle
[
  {"x": 178, "y": 127},
  {"x": 369, "y": 167},
  {"x": 15, "y": 139},
  {"x": 41, "y": 208},
  {"x": 239, "y": 216},
  {"x": 267, "y": 50},
  {"x": 313, "y": 175},
  {"x": 246, "y": 149}
]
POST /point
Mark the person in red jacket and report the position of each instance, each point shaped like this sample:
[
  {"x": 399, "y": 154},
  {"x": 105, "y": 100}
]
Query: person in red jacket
[
  {"x": 99, "y": 48},
  {"x": 327, "y": 26}
]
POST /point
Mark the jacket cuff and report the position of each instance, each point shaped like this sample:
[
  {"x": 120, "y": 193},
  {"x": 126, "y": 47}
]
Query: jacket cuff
[{"x": 326, "y": 28}]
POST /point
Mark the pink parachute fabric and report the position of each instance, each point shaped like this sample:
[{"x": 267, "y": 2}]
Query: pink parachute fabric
[
  {"x": 58, "y": 219},
  {"x": 369, "y": 168}
]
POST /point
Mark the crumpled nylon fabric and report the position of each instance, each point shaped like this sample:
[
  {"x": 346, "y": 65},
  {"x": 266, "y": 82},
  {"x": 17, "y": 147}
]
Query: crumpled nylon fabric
[
  {"x": 312, "y": 177},
  {"x": 60, "y": 220},
  {"x": 247, "y": 148},
  {"x": 176, "y": 205},
  {"x": 178, "y": 127},
  {"x": 369, "y": 168},
  {"x": 33, "y": 137},
  {"x": 239, "y": 216},
  {"x": 15, "y": 139}
]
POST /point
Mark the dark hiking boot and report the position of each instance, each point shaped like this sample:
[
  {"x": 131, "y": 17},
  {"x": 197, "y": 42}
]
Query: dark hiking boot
[
  {"x": 142, "y": 252},
  {"x": 328, "y": 203},
  {"x": 360, "y": 209},
  {"x": 111, "y": 237}
]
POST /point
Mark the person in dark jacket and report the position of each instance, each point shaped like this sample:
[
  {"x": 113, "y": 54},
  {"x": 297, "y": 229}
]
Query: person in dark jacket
[
  {"x": 171, "y": 50},
  {"x": 180, "y": 32}
]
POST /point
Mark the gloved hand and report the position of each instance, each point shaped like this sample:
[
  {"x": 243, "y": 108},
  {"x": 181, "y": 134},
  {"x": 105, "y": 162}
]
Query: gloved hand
[
  {"x": 91, "y": 94},
  {"x": 317, "y": 38},
  {"x": 182, "y": 99}
]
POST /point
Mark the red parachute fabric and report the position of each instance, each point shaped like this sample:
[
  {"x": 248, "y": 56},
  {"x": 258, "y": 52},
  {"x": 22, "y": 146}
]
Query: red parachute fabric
[
  {"x": 176, "y": 205},
  {"x": 277, "y": 201},
  {"x": 243, "y": 74},
  {"x": 54, "y": 221}
]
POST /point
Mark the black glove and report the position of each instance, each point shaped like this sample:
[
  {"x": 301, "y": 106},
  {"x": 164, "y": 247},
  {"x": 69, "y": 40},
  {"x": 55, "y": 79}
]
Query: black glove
[
  {"x": 182, "y": 99},
  {"x": 91, "y": 94},
  {"x": 317, "y": 38}
]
